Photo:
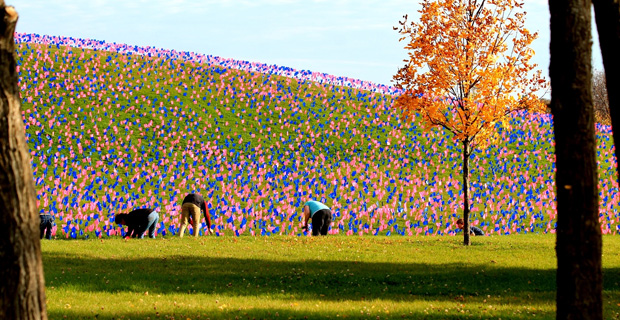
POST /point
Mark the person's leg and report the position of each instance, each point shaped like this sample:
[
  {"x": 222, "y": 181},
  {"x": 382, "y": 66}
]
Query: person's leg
[
  {"x": 137, "y": 234},
  {"x": 42, "y": 226},
  {"x": 140, "y": 231},
  {"x": 317, "y": 222},
  {"x": 153, "y": 219},
  {"x": 327, "y": 220},
  {"x": 48, "y": 228},
  {"x": 196, "y": 217},
  {"x": 184, "y": 218}
]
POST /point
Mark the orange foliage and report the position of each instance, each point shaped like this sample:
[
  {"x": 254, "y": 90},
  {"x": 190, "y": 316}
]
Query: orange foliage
[{"x": 468, "y": 66}]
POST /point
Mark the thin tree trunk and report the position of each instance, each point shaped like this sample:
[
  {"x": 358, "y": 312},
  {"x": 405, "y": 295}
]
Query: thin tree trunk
[
  {"x": 607, "y": 13},
  {"x": 22, "y": 291},
  {"x": 579, "y": 244},
  {"x": 466, "y": 152}
]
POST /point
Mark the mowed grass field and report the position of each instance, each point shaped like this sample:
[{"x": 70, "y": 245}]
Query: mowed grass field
[{"x": 284, "y": 277}]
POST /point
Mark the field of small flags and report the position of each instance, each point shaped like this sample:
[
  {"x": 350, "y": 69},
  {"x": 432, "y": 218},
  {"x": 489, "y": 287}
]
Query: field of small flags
[{"x": 113, "y": 127}]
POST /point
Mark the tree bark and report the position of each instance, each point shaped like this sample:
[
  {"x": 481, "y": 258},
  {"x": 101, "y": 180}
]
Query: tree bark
[
  {"x": 579, "y": 244},
  {"x": 607, "y": 13},
  {"x": 466, "y": 153},
  {"x": 22, "y": 291}
]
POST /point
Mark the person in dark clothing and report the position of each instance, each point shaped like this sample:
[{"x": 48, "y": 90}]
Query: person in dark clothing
[
  {"x": 138, "y": 221},
  {"x": 192, "y": 205},
  {"x": 46, "y": 225},
  {"x": 321, "y": 217},
  {"x": 472, "y": 230}
]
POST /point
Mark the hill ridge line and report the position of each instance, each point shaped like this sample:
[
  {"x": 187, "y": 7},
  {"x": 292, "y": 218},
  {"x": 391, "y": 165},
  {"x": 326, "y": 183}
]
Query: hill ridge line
[{"x": 303, "y": 75}]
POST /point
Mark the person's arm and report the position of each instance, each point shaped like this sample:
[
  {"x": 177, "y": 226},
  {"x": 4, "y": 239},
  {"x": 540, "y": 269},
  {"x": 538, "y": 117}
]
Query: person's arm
[
  {"x": 120, "y": 219},
  {"x": 130, "y": 231},
  {"x": 306, "y": 213},
  {"x": 207, "y": 217}
]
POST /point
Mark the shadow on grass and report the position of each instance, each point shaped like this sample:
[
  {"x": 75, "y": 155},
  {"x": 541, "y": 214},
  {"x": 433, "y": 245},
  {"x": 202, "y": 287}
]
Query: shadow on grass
[
  {"x": 258, "y": 313},
  {"x": 310, "y": 279}
]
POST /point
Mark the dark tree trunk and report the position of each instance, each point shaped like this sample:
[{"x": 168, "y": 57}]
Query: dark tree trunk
[
  {"x": 466, "y": 153},
  {"x": 578, "y": 247},
  {"x": 607, "y": 13},
  {"x": 22, "y": 290}
]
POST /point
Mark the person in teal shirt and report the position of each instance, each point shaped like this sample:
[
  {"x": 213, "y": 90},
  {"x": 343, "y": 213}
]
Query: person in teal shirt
[{"x": 321, "y": 217}]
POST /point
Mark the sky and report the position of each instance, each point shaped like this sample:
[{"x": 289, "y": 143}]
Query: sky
[{"x": 352, "y": 38}]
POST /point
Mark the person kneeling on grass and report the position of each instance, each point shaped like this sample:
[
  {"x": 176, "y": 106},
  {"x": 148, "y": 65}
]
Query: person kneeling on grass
[
  {"x": 321, "y": 217},
  {"x": 472, "y": 230},
  {"x": 190, "y": 212},
  {"x": 138, "y": 221}
]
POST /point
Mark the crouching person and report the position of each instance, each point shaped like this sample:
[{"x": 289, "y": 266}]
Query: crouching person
[
  {"x": 193, "y": 205},
  {"x": 474, "y": 231},
  {"x": 321, "y": 217},
  {"x": 138, "y": 221},
  {"x": 46, "y": 225}
]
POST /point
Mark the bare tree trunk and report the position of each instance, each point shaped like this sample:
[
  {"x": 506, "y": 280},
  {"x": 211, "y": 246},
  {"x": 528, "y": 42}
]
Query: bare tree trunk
[
  {"x": 579, "y": 244},
  {"x": 600, "y": 99},
  {"x": 466, "y": 153},
  {"x": 22, "y": 289},
  {"x": 607, "y": 13}
]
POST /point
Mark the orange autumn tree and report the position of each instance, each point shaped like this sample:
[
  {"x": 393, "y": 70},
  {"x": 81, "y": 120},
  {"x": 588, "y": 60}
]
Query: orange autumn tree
[{"x": 468, "y": 69}]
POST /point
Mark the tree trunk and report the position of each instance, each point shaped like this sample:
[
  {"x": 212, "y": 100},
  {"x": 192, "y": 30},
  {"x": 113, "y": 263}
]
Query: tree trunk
[
  {"x": 22, "y": 291},
  {"x": 466, "y": 152},
  {"x": 579, "y": 244},
  {"x": 607, "y": 13}
]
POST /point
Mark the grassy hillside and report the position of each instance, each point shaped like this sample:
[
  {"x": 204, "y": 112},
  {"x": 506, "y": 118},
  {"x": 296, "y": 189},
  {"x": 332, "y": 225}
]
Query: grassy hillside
[{"x": 115, "y": 127}]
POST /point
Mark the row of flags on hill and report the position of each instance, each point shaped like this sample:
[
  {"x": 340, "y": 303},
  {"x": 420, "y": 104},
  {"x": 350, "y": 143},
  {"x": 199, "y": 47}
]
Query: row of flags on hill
[{"x": 119, "y": 127}]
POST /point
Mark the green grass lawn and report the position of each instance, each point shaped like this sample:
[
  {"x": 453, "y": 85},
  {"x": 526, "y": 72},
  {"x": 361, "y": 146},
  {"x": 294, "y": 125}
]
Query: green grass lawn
[{"x": 507, "y": 277}]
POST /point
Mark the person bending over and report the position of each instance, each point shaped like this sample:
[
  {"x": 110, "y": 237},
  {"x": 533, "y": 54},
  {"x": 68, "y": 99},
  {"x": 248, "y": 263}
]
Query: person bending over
[
  {"x": 46, "y": 225},
  {"x": 138, "y": 221},
  {"x": 190, "y": 211},
  {"x": 472, "y": 230},
  {"x": 321, "y": 217}
]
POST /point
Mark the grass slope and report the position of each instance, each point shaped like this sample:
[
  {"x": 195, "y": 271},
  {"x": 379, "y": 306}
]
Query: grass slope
[{"x": 126, "y": 127}]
